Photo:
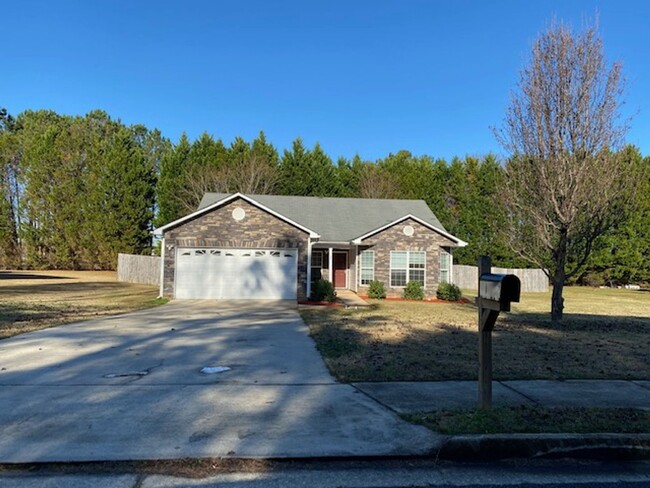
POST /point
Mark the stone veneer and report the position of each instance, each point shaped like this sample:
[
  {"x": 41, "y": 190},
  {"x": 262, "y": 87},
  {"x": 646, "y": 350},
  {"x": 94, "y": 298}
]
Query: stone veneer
[
  {"x": 218, "y": 228},
  {"x": 394, "y": 239}
]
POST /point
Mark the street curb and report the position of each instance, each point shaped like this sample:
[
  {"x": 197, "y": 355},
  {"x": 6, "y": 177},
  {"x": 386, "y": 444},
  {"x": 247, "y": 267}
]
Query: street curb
[{"x": 491, "y": 447}]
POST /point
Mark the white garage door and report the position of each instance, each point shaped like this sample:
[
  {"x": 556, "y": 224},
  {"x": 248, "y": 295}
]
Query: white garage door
[{"x": 236, "y": 273}]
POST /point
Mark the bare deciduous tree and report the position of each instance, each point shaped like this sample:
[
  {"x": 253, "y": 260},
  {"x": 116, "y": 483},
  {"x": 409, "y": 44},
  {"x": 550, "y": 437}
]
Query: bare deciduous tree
[
  {"x": 566, "y": 181},
  {"x": 251, "y": 175},
  {"x": 197, "y": 182},
  {"x": 375, "y": 182}
]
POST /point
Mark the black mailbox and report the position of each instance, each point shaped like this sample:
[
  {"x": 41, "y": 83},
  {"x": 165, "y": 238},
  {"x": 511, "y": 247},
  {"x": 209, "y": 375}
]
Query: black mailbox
[{"x": 502, "y": 288}]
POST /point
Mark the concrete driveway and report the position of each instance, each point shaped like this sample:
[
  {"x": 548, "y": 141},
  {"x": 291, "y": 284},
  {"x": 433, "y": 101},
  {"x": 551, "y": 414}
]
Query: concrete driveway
[{"x": 130, "y": 387}]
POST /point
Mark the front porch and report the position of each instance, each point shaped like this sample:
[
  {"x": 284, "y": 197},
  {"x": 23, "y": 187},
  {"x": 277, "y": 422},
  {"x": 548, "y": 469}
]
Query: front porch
[{"x": 336, "y": 264}]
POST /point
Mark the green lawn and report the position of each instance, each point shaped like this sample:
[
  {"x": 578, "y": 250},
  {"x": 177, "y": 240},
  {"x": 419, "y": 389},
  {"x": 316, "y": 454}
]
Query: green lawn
[
  {"x": 528, "y": 419},
  {"x": 605, "y": 334}
]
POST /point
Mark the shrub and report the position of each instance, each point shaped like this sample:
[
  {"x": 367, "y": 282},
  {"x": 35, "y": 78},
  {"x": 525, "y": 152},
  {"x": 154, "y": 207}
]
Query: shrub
[
  {"x": 323, "y": 291},
  {"x": 376, "y": 290},
  {"x": 413, "y": 291},
  {"x": 449, "y": 292}
]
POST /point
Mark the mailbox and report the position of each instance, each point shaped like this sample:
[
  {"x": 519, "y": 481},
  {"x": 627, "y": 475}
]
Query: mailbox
[{"x": 502, "y": 288}]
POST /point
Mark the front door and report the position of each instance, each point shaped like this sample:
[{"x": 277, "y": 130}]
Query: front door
[{"x": 340, "y": 269}]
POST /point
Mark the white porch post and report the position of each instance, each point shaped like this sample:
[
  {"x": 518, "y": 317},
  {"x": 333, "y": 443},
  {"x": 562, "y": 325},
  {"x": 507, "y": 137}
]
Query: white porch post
[
  {"x": 308, "y": 268},
  {"x": 451, "y": 265},
  {"x": 330, "y": 261},
  {"x": 356, "y": 268}
]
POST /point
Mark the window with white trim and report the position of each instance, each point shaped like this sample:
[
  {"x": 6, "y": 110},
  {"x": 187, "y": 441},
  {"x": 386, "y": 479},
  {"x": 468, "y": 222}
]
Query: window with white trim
[
  {"x": 367, "y": 267},
  {"x": 445, "y": 265},
  {"x": 316, "y": 265},
  {"x": 407, "y": 266}
]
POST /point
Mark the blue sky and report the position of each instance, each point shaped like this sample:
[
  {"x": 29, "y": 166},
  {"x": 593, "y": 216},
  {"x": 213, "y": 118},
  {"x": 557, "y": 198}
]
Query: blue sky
[{"x": 367, "y": 77}]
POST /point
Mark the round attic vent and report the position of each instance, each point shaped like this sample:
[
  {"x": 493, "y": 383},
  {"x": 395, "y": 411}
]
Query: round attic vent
[
  {"x": 238, "y": 214},
  {"x": 408, "y": 230}
]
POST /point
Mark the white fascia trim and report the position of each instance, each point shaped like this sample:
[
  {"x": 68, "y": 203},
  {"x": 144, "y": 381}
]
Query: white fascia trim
[
  {"x": 459, "y": 242},
  {"x": 232, "y": 197}
]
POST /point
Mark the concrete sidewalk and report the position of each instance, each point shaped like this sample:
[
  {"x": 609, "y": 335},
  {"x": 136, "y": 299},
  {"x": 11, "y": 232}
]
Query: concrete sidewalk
[{"x": 411, "y": 397}]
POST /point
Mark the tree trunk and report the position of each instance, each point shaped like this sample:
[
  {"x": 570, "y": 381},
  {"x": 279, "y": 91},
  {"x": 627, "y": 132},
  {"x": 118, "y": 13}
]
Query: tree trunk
[
  {"x": 557, "y": 301},
  {"x": 559, "y": 277}
]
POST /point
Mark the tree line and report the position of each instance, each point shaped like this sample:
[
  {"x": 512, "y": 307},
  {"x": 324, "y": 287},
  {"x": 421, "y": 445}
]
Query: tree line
[{"x": 76, "y": 190}]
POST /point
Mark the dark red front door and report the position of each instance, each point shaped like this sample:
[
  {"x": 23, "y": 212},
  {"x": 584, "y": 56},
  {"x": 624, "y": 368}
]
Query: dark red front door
[{"x": 340, "y": 269}]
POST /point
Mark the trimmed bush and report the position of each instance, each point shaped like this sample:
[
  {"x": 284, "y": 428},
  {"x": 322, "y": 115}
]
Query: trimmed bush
[
  {"x": 449, "y": 292},
  {"x": 413, "y": 291},
  {"x": 376, "y": 290},
  {"x": 323, "y": 292}
]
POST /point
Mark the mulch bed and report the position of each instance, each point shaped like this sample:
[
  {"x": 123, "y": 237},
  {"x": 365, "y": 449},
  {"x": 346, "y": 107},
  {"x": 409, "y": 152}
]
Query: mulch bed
[{"x": 426, "y": 300}]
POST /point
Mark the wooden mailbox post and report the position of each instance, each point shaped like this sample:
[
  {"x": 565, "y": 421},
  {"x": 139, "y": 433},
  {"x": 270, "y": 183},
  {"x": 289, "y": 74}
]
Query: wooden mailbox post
[{"x": 495, "y": 293}]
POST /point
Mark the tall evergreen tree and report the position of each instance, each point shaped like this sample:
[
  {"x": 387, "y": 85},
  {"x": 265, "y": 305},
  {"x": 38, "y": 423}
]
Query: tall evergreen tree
[
  {"x": 9, "y": 193},
  {"x": 294, "y": 170},
  {"x": 123, "y": 198},
  {"x": 170, "y": 181},
  {"x": 324, "y": 178},
  {"x": 621, "y": 256}
]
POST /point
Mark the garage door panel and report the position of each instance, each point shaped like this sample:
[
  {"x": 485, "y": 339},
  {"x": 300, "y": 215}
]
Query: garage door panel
[{"x": 236, "y": 273}]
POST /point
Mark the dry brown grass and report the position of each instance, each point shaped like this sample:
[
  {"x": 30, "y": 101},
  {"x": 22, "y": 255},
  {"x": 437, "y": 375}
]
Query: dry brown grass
[
  {"x": 605, "y": 335},
  {"x": 33, "y": 300}
]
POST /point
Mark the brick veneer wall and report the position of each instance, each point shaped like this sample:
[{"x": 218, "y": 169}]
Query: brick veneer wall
[
  {"x": 217, "y": 228},
  {"x": 394, "y": 239}
]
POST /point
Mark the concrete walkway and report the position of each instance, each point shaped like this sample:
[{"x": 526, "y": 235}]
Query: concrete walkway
[
  {"x": 411, "y": 397},
  {"x": 350, "y": 299}
]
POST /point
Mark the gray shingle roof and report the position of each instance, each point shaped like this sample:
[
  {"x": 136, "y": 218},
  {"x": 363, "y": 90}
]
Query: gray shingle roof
[{"x": 338, "y": 219}]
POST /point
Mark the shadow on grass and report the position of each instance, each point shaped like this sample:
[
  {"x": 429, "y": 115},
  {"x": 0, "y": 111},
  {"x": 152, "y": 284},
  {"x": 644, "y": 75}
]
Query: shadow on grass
[
  {"x": 67, "y": 288},
  {"x": 13, "y": 275},
  {"x": 380, "y": 346}
]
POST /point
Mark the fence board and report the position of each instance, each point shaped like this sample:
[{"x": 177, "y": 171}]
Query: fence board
[
  {"x": 132, "y": 268},
  {"x": 532, "y": 280}
]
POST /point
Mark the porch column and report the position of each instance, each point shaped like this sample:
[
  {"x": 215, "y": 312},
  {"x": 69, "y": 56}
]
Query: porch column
[
  {"x": 330, "y": 254},
  {"x": 356, "y": 268}
]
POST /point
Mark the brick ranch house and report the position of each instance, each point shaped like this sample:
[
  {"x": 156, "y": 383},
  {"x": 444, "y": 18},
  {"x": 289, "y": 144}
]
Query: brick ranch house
[{"x": 275, "y": 247}]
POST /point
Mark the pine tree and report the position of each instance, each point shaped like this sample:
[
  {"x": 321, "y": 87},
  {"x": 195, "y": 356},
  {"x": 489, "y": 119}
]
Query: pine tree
[
  {"x": 122, "y": 200},
  {"x": 294, "y": 170},
  {"x": 170, "y": 181},
  {"x": 9, "y": 193}
]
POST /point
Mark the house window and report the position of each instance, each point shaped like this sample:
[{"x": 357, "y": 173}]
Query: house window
[
  {"x": 407, "y": 266},
  {"x": 316, "y": 265},
  {"x": 367, "y": 267},
  {"x": 445, "y": 265}
]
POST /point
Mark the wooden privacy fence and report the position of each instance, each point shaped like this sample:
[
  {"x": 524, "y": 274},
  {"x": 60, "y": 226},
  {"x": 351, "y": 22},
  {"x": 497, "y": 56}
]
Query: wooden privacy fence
[
  {"x": 133, "y": 268},
  {"x": 466, "y": 277}
]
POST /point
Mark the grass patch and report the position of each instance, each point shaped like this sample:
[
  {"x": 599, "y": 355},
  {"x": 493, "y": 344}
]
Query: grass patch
[
  {"x": 605, "y": 335},
  {"x": 34, "y": 300},
  {"x": 527, "y": 419}
]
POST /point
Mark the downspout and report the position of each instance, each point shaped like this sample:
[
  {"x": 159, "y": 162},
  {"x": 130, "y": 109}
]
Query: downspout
[
  {"x": 309, "y": 244},
  {"x": 162, "y": 267},
  {"x": 356, "y": 268}
]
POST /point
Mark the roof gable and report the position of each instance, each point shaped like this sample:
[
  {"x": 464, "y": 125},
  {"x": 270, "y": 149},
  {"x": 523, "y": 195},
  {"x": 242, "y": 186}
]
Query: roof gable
[
  {"x": 361, "y": 238},
  {"x": 341, "y": 219},
  {"x": 229, "y": 198}
]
